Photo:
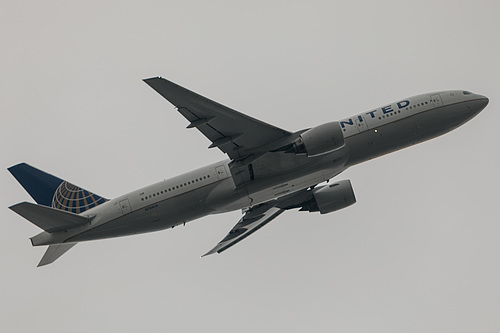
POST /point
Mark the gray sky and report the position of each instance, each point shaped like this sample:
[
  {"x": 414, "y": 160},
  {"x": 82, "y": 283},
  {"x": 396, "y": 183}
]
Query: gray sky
[{"x": 418, "y": 252}]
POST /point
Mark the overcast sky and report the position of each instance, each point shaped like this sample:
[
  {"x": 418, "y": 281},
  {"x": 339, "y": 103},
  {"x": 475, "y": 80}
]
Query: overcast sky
[{"x": 418, "y": 252}]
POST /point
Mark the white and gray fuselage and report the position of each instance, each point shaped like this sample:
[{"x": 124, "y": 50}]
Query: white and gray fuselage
[{"x": 211, "y": 189}]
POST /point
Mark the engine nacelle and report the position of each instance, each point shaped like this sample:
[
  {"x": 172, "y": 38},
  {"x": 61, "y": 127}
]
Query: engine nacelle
[
  {"x": 319, "y": 140},
  {"x": 331, "y": 197}
]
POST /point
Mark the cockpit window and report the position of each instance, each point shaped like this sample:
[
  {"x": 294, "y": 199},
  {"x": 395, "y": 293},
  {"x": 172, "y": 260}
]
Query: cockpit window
[{"x": 467, "y": 93}]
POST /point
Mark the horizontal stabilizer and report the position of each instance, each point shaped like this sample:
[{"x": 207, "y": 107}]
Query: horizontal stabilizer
[
  {"x": 49, "y": 219},
  {"x": 54, "y": 252}
]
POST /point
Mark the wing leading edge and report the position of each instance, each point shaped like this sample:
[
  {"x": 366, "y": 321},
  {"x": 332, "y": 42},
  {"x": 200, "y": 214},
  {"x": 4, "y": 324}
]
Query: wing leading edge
[{"x": 236, "y": 134}]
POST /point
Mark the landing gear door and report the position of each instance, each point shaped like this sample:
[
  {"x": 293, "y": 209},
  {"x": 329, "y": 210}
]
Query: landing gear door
[
  {"x": 436, "y": 100},
  {"x": 125, "y": 206},
  {"x": 221, "y": 172}
]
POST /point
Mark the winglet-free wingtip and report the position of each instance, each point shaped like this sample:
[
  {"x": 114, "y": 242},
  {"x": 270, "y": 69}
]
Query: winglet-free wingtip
[
  {"x": 209, "y": 253},
  {"x": 153, "y": 78}
]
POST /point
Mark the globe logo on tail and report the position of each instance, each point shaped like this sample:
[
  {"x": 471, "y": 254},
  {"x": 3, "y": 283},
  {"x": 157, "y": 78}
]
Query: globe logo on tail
[{"x": 74, "y": 199}]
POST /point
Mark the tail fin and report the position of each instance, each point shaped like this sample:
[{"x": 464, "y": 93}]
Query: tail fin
[
  {"x": 54, "y": 252},
  {"x": 54, "y": 192}
]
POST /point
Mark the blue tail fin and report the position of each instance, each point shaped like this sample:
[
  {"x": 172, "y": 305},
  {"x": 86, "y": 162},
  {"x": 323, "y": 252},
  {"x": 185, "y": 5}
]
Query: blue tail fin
[{"x": 54, "y": 192}]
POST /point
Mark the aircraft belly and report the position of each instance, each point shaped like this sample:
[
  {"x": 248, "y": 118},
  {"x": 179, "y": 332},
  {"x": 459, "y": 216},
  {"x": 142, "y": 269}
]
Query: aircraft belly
[
  {"x": 157, "y": 216},
  {"x": 276, "y": 175},
  {"x": 259, "y": 192},
  {"x": 226, "y": 197}
]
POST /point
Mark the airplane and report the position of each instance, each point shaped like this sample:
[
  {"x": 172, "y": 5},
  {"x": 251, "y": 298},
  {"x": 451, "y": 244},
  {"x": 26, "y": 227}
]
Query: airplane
[{"x": 269, "y": 170}]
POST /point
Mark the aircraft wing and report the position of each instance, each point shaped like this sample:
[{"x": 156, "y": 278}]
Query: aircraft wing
[
  {"x": 234, "y": 133},
  {"x": 260, "y": 215},
  {"x": 253, "y": 220}
]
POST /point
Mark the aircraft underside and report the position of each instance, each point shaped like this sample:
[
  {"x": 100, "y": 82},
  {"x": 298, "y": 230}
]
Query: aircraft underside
[{"x": 269, "y": 171}]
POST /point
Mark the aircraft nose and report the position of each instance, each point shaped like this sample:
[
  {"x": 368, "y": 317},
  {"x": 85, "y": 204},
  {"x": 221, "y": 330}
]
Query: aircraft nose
[
  {"x": 477, "y": 103},
  {"x": 483, "y": 101}
]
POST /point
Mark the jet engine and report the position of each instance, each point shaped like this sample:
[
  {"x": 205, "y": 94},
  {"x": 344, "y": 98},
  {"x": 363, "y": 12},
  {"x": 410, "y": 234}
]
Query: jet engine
[
  {"x": 329, "y": 198},
  {"x": 318, "y": 140}
]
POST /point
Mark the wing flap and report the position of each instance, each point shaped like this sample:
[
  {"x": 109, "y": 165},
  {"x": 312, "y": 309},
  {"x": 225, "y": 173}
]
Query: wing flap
[
  {"x": 237, "y": 134},
  {"x": 49, "y": 219}
]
